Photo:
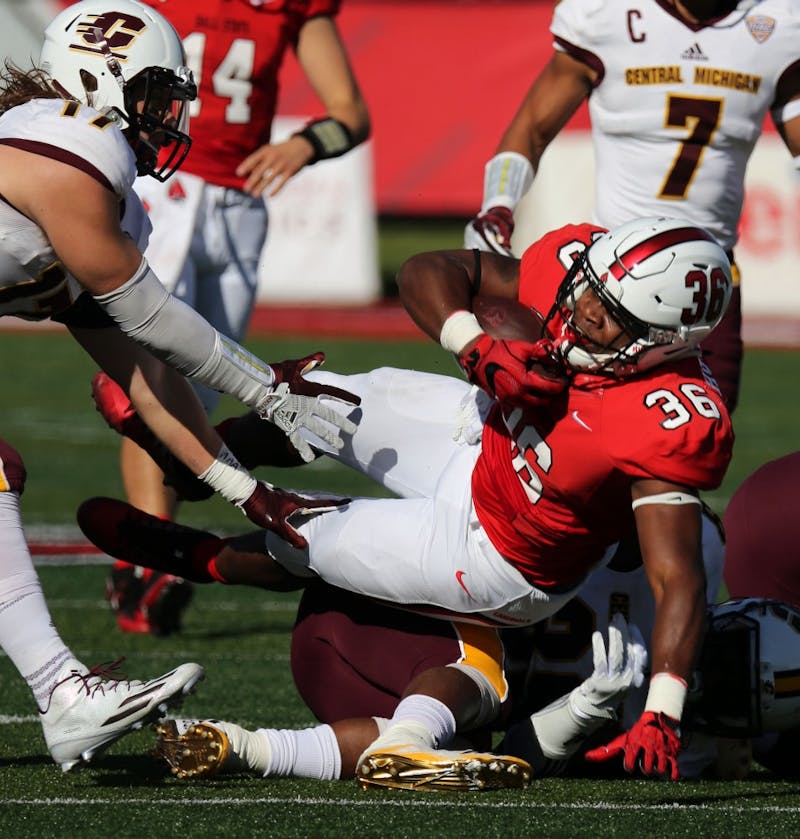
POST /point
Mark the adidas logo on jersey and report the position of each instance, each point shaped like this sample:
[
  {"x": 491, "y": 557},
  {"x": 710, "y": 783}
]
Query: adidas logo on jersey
[{"x": 694, "y": 53}]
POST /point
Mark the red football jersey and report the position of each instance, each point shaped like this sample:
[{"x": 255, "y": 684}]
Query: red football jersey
[
  {"x": 235, "y": 49},
  {"x": 552, "y": 486}
]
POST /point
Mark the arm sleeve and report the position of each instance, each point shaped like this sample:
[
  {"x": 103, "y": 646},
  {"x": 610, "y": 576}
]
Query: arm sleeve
[{"x": 146, "y": 312}]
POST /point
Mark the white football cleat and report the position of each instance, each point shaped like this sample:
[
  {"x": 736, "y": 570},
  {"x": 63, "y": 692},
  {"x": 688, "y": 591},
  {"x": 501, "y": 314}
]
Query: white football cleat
[
  {"x": 414, "y": 765},
  {"x": 86, "y": 712}
]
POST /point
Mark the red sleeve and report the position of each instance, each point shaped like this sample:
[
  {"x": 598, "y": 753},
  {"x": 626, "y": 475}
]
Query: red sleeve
[
  {"x": 669, "y": 425},
  {"x": 547, "y": 260},
  {"x": 323, "y": 7}
]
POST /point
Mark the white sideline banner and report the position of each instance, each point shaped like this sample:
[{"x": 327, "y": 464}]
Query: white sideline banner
[
  {"x": 768, "y": 251},
  {"x": 322, "y": 238}
]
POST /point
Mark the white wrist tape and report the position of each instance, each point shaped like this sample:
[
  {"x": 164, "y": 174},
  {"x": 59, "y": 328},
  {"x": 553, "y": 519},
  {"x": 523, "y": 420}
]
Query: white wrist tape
[
  {"x": 560, "y": 731},
  {"x": 666, "y": 695},
  {"x": 174, "y": 332},
  {"x": 796, "y": 162},
  {"x": 675, "y": 498},
  {"x": 229, "y": 478},
  {"x": 787, "y": 113},
  {"x": 506, "y": 178},
  {"x": 458, "y": 330}
]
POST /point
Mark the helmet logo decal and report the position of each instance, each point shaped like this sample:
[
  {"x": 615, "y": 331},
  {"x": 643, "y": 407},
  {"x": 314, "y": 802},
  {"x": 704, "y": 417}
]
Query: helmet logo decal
[
  {"x": 653, "y": 245},
  {"x": 119, "y": 33}
]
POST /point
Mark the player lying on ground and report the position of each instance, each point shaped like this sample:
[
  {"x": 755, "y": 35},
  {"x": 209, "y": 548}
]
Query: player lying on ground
[{"x": 343, "y": 748}]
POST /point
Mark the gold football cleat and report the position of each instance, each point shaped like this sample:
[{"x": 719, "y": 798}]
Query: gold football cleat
[
  {"x": 196, "y": 750},
  {"x": 408, "y": 767}
]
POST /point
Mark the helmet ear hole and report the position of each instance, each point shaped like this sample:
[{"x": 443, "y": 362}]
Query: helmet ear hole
[{"x": 89, "y": 81}]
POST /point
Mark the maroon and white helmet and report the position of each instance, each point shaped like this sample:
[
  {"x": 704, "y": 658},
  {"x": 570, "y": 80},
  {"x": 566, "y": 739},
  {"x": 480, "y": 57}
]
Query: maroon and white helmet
[
  {"x": 126, "y": 60},
  {"x": 664, "y": 280}
]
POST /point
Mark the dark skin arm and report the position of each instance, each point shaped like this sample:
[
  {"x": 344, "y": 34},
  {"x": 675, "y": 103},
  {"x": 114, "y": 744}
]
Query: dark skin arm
[
  {"x": 670, "y": 539},
  {"x": 434, "y": 285}
]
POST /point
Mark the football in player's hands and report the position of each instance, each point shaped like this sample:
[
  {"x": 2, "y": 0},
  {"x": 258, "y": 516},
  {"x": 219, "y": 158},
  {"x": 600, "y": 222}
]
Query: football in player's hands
[{"x": 507, "y": 319}]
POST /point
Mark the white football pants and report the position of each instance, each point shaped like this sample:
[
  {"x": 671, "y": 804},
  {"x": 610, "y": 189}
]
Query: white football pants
[{"x": 419, "y": 436}]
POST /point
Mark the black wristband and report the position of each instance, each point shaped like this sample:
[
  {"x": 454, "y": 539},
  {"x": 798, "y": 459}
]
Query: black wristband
[{"x": 330, "y": 138}]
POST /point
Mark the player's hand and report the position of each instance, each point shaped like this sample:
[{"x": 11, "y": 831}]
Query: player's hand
[
  {"x": 294, "y": 403},
  {"x": 270, "y": 166},
  {"x": 616, "y": 671},
  {"x": 491, "y": 231},
  {"x": 652, "y": 744},
  {"x": 515, "y": 373},
  {"x": 271, "y": 508}
]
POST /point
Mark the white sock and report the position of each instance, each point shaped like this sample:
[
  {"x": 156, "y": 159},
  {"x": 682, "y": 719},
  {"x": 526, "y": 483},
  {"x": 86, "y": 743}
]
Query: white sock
[
  {"x": 304, "y": 753},
  {"x": 434, "y": 715},
  {"x": 27, "y": 634}
]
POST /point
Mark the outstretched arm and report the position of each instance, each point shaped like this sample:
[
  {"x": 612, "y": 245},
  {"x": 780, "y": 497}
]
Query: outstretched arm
[
  {"x": 552, "y": 99},
  {"x": 345, "y": 124},
  {"x": 668, "y": 520}
]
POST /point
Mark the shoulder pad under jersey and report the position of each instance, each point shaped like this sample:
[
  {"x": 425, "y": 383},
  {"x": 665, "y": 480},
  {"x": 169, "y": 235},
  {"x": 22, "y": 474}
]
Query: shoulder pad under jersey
[{"x": 73, "y": 133}]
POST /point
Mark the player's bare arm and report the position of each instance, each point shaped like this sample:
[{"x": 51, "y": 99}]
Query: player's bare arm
[
  {"x": 324, "y": 61},
  {"x": 78, "y": 215},
  {"x": 552, "y": 99},
  {"x": 790, "y": 130},
  {"x": 668, "y": 521},
  {"x": 435, "y": 285}
]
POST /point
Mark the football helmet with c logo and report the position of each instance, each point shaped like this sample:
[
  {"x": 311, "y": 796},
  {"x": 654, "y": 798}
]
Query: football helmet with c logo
[{"x": 126, "y": 60}]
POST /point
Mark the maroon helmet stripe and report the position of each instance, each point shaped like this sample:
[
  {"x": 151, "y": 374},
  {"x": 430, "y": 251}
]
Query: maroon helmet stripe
[{"x": 653, "y": 245}]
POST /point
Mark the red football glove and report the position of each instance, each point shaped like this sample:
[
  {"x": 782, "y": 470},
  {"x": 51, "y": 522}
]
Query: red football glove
[
  {"x": 270, "y": 507},
  {"x": 653, "y": 743},
  {"x": 491, "y": 231},
  {"x": 514, "y": 372}
]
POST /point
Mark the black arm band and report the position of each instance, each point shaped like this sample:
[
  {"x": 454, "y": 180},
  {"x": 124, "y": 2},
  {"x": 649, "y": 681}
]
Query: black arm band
[
  {"x": 330, "y": 138},
  {"x": 476, "y": 276}
]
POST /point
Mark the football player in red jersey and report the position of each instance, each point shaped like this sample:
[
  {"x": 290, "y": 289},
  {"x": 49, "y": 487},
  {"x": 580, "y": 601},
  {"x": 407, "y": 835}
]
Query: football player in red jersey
[
  {"x": 671, "y": 133},
  {"x": 210, "y": 220},
  {"x": 514, "y": 489}
]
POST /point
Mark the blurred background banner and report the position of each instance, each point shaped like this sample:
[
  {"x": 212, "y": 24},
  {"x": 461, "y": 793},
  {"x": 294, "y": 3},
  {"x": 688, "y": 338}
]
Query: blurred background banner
[{"x": 442, "y": 79}]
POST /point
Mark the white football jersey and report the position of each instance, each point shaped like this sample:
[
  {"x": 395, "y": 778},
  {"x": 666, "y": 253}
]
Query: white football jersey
[
  {"x": 678, "y": 107},
  {"x": 33, "y": 284}
]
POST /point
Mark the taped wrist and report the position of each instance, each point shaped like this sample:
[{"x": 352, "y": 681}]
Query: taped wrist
[
  {"x": 560, "y": 731},
  {"x": 507, "y": 177},
  {"x": 174, "y": 332},
  {"x": 229, "y": 478},
  {"x": 329, "y": 137},
  {"x": 666, "y": 695},
  {"x": 458, "y": 330}
]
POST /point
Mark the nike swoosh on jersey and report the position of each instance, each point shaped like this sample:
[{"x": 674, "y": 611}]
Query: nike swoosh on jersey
[
  {"x": 580, "y": 421},
  {"x": 460, "y": 580}
]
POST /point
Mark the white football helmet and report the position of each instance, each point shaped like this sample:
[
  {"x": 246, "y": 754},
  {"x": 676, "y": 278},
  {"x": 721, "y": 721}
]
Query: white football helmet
[
  {"x": 125, "y": 59},
  {"x": 666, "y": 282},
  {"x": 748, "y": 679}
]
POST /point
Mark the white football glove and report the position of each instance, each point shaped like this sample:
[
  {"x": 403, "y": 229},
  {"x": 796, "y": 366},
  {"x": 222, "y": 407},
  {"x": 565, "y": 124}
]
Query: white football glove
[
  {"x": 615, "y": 672},
  {"x": 294, "y": 404}
]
